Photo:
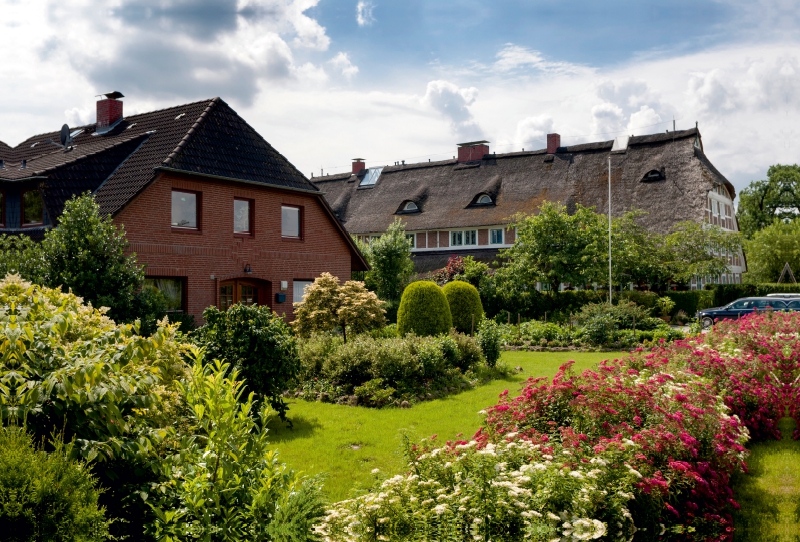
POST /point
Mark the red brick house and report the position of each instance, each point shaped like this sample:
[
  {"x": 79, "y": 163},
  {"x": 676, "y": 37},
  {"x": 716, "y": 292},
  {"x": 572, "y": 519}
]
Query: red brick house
[{"x": 212, "y": 210}]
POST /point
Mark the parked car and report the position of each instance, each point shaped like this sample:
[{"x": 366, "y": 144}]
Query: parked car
[{"x": 745, "y": 305}]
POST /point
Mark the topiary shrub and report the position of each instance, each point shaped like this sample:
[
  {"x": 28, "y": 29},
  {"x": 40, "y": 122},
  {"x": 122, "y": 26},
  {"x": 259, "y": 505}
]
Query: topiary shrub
[
  {"x": 424, "y": 310},
  {"x": 489, "y": 340},
  {"x": 258, "y": 343},
  {"x": 46, "y": 496},
  {"x": 465, "y": 305}
]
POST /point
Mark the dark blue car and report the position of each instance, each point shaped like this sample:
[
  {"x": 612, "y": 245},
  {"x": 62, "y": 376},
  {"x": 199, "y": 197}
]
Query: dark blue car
[{"x": 742, "y": 306}]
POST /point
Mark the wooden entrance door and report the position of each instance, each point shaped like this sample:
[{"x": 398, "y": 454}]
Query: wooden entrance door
[{"x": 244, "y": 291}]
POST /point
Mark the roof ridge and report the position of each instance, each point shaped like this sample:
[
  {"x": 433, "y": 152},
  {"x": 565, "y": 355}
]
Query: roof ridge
[{"x": 190, "y": 132}]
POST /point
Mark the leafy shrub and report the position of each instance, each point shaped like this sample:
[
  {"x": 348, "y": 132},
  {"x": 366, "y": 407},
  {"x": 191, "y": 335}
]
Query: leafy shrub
[
  {"x": 328, "y": 306},
  {"x": 313, "y": 351},
  {"x": 665, "y": 306},
  {"x": 642, "y": 298},
  {"x": 469, "y": 352},
  {"x": 489, "y": 341},
  {"x": 258, "y": 344},
  {"x": 622, "y": 315},
  {"x": 149, "y": 306},
  {"x": 226, "y": 483},
  {"x": 465, "y": 305},
  {"x": 691, "y": 301},
  {"x": 386, "y": 332},
  {"x": 46, "y": 496},
  {"x": 374, "y": 393},
  {"x": 424, "y": 310}
]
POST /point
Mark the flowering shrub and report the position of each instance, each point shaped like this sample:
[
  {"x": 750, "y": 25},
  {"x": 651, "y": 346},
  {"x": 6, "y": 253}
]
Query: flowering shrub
[{"x": 639, "y": 449}]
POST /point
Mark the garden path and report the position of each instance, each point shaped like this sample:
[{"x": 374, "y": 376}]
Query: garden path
[
  {"x": 346, "y": 443},
  {"x": 769, "y": 494}
]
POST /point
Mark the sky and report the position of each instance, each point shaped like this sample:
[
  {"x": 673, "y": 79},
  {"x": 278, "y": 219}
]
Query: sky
[{"x": 325, "y": 81}]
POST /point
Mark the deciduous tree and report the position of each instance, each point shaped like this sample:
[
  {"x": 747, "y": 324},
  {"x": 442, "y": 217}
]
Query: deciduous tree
[{"x": 778, "y": 196}]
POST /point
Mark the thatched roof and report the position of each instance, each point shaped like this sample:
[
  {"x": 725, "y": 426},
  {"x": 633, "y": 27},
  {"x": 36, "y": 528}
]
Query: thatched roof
[{"x": 521, "y": 181}]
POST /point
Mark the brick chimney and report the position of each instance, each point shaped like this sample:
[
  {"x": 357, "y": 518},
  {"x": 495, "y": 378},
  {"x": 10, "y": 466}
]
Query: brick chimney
[
  {"x": 358, "y": 165},
  {"x": 109, "y": 111},
  {"x": 474, "y": 150},
  {"x": 553, "y": 143}
]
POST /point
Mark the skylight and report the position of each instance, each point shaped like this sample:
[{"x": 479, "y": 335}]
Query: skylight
[
  {"x": 371, "y": 177},
  {"x": 484, "y": 200},
  {"x": 411, "y": 206}
]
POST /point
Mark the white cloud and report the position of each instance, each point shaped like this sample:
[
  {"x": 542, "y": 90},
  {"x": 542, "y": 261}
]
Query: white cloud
[
  {"x": 643, "y": 121},
  {"x": 513, "y": 57},
  {"x": 341, "y": 62},
  {"x": 452, "y": 102},
  {"x": 364, "y": 15},
  {"x": 607, "y": 119},
  {"x": 532, "y": 132}
]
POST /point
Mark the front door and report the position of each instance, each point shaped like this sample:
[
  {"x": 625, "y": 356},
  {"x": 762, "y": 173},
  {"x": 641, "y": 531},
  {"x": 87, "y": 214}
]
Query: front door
[{"x": 246, "y": 292}]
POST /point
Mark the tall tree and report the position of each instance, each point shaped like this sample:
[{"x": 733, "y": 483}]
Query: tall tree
[
  {"x": 693, "y": 249},
  {"x": 86, "y": 253},
  {"x": 390, "y": 259},
  {"x": 770, "y": 249},
  {"x": 763, "y": 201}
]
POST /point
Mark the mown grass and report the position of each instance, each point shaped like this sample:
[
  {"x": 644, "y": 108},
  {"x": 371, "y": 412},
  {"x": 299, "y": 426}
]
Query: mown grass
[
  {"x": 769, "y": 494},
  {"x": 346, "y": 443}
]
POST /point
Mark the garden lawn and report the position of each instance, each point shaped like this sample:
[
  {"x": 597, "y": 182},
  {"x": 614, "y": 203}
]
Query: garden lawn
[
  {"x": 347, "y": 443},
  {"x": 770, "y": 493}
]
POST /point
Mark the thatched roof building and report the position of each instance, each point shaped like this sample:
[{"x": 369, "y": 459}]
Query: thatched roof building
[{"x": 667, "y": 175}]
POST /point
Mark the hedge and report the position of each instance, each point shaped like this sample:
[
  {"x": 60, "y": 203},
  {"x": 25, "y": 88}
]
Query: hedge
[
  {"x": 725, "y": 293},
  {"x": 691, "y": 301}
]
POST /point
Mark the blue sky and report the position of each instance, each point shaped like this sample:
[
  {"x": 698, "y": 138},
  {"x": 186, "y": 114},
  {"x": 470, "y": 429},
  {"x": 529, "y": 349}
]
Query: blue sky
[{"x": 326, "y": 80}]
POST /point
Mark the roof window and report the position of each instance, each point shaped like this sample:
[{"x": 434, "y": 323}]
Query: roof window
[
  {"x": 371, "y": 177},
  {"x": 654, "y": 175},
  {"x": 411, "y": 206},
  {"x": 482, "y": 200},
  {"x": 408, "y": 207}
]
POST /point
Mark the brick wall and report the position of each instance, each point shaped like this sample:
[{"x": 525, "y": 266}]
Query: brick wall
[{"x": 216, "y": 251}]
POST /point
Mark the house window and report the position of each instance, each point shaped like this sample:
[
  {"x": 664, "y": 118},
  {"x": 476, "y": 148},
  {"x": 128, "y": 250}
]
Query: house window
[
  {"x": 485, "y": 200},
  {"x": 496, "y": 236},
  {"x": 411, "y": 207},
  {"x": 290, "y": 222},
  {"x": 32, "y": 208},
  {"x": 411, "y": 239},
  {"x": 299, "y": 289},
  {"x": 248, "y": 294},
  {"x": 172, "y": 288},
  {"x": 185, "y": 210},
  {"x": 243, "y": 216},
  {"x": 466, "y": 237}
]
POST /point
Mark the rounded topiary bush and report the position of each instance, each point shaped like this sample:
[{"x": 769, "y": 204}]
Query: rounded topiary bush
[
  {"x": 423, "y": 310},
  {"x": 465, "y": 302}
]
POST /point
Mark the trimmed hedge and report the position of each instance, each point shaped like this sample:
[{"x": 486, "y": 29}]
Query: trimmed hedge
[
  {"x": 424, "y": 310},
  {"x": 465, "y": 305},
  {"x": 690, "y": 302},
  {"x": 725, "y": 293}
]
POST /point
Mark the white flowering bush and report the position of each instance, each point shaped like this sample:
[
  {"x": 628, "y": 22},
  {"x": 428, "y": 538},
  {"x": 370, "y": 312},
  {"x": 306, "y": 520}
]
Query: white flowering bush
[{"x": 512, "y": 490}]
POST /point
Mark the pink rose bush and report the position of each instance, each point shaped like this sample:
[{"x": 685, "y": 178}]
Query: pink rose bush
[{"x": 639, "y": 449}]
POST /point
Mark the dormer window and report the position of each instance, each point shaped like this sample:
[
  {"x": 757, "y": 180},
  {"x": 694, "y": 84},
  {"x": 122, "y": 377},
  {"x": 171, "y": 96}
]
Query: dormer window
[
  {"x": 408, "y": 207},
  {"x": 482, "y": 200},
  {"x": 653, "y": 176}
]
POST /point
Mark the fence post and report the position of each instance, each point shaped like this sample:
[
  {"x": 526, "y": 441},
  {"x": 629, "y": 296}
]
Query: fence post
[
  {"x": 519, "y": 329},
  {"x": 473, "y": 326}
]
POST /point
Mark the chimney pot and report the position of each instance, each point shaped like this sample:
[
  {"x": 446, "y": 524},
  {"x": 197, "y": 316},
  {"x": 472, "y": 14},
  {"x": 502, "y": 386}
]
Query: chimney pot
[
  {"x": 358, "y": 165},
  {"x": 109, "y": 111},
  {"x": 553, "y": 143}
]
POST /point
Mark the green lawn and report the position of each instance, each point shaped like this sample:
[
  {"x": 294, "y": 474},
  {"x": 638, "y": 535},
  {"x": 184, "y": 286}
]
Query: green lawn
[
  {"x": 770, "y": 494},
  {"x": 346, "y": 443}
]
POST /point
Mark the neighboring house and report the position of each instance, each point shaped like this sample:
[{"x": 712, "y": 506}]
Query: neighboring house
[
  {"x": 464, "y": 206},
  {"x": 215, "y": 213}
]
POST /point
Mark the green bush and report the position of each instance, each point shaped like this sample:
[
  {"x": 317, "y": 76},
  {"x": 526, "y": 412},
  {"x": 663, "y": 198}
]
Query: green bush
[
  {"x": 465, "y": 305},
  {"x": 313, "y": 351},
  {"x": 256, "y": 342},
  {"x": 469, "y": 352},
  {"x": 642, "y": 298},
  {"x": 665, "y": 306},
  {"x": 45, "y": 496},
  {"x": 424, "y": 310},
  {"x": 691, "y": 301},
  {"x": 489, "y": 341},
  {"x": 225, "y": 483},
  {"x": 623, "y": 315}
]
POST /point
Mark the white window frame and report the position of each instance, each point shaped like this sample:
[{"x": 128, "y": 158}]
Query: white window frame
[
  {"x": 299, "y": 284},
  {"x": 413, "y": 238},
  {"x": 491, "y": 236}
]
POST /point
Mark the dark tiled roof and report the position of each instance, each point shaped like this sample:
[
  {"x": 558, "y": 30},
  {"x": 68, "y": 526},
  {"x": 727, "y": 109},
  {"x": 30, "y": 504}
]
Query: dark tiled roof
[
  {"x": 205, "y": 137},
  {"x": 521, "y": 181}
]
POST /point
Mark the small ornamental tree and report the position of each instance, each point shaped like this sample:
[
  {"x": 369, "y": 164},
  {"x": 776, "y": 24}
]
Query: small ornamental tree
[
  {"x": 86, "y": 253},
  {"x": 257, "y": 343},
  {"x": 389, "y": 256},
  {"x": 328, "y": 306},
  {"x": 465, "y": 305},
  {"x": 46, "y": 496},
  {"x": 489, "y": 340},
  {"x": 424, "y": 310}
]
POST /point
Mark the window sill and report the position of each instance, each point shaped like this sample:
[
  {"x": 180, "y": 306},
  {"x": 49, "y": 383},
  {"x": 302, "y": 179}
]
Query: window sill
[
  {"x": 243, "y": 234},
  {"x": 194, "y": 231},
  {"x": 292, "y": 239},
  {"x": 33, "y": 225}
]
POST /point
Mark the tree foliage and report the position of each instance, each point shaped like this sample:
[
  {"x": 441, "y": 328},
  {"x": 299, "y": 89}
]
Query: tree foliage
[
  {"x": 777, "y": 196},
  {"x": 693, "y": 249},
  {"x": 389, "y": 256},
  {"x": 327, "y": 305},
  {"x": 46, "y": 496},
  {"x": 424, "y": 310},
  {"x": 770, "y": 249}
]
